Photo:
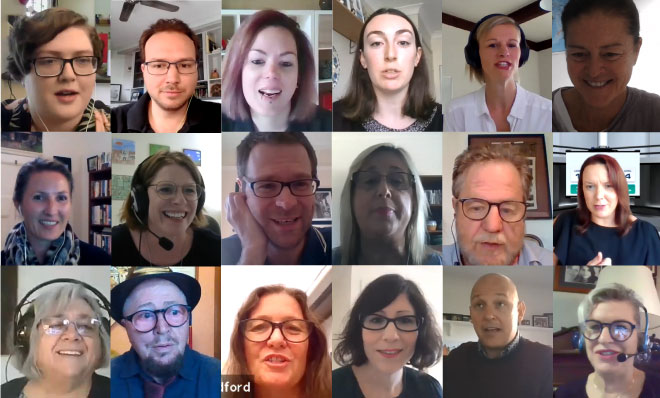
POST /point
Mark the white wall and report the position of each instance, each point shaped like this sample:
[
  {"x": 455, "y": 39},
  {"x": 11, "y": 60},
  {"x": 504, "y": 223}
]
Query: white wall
[
  {"x": 454, "y": 144},
  {"x": 122, "y": 73},
  {"x": 534, "y": 288},
  {"x": 425, "y": 148},
  {"x": 645, "y": 71},
  {"x": 29, "y": 277},
  {"x": 320, "y": 142},
  {"x": 209, "y": 144},
  {"x": 349, "y": 281},
  {"x": 534, "y": 75}
]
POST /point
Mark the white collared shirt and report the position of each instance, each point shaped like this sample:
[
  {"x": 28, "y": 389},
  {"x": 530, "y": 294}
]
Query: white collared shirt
[{"x": 530, "y": 113}]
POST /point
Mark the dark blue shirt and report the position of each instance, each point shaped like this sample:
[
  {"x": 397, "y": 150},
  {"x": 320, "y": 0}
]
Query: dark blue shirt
[
  {"x": 199, "y": 377},
  {"x": 317, "y": 250}
]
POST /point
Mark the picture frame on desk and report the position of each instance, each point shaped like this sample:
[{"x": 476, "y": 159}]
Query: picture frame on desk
[
  {"x": 574, "y": 278},
  {"x": 136, "y": 93},
  {"x": 115, "y": 92},
  {"x": 92, "y": 163},
  {"x": 323, "y": 206},
  {"x": 540, "y": 321}
]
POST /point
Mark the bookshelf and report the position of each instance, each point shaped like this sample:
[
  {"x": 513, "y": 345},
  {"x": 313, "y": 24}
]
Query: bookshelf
[{"x": 100, "y": 208}]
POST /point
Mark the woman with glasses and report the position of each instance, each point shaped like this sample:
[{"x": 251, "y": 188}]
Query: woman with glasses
[
  {"x": 43, "y": 198},
  {"x": 55, "y": 54},
  {"x": 64, "y": 344},
  {"x": 164, "y": 219},
  {"x": 613, "y": 326},
  {"x": 603, "y": 230},
  {"x": 390, "y": 325},
  {"x": 384, "y": 211},
  {"x": 281, "y": 344}
]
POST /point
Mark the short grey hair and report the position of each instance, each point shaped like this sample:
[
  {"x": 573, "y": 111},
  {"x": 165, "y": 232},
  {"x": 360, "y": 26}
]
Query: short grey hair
[
  {"x": 416, "y": 229},
  {"x": 54, "y": 301},
  {"x": 613, "y": 292}
]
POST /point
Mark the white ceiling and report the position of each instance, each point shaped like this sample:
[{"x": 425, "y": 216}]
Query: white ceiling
[
  {"x": 125, "y": 35},
  {"x": 538, "y": 29},
  {"x": 430, "y": 12}
]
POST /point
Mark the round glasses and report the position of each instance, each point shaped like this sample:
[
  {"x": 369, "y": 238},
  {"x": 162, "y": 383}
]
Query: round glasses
[
  {"x": 369, "y": 180},
  {"x": 271, "y": 189},
  {"x": 51, "y": 66},
  {"x": 186, "y": 67},
  {"x": 86, "y": 327},
  {"x": 293, "y": 330},
  {"x": 478, "y": 209},
  {"x": 146, "y": 320},
  {"x": 619, "y": 330},
  {"x": 406, "y": 323},
  {"x": 167, "y": 190}
]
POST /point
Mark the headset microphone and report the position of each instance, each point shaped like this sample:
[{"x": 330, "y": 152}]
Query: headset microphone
[
  {"x": 624, "y": 357},
  {"x": 162, "y": 241}
]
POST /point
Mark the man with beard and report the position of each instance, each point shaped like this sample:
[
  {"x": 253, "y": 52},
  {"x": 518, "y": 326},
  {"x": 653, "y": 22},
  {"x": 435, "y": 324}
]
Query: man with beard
[
  {"x": 168, "y": 50},
  {"x": 502, "y": 363},
  {"x": 155, "y": 306},
  {"x": 272, "y": 214},
  {"x": 490, "y": 188}
]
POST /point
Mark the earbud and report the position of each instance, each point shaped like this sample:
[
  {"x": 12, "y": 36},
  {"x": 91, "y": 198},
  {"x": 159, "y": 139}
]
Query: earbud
[{"x": 20, "y": 211}]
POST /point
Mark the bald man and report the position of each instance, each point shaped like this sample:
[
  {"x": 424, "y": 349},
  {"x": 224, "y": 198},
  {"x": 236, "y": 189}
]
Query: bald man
[{"x": 502, "y": 363}]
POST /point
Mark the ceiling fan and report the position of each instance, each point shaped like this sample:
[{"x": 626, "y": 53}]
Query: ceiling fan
[{"x": 127, "y": 9}]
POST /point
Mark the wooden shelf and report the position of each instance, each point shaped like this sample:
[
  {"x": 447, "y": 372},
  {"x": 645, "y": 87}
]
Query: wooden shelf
[{"x": 345, "y": 22}]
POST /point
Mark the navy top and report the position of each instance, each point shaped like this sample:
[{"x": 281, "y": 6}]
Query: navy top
[
  {"x": 322, "y": 121},
  {"x": 640, "y": 246},
  {"x": 317, "y": 251},
  {"x": 198, "y": 377},
  {"x": 205, "y": 250},
  {"x": 415, "y": 384},
  {"x": 577, "y": 388},
  {"x": 100, "y": 387},
  {"x": 203, "y": 117}
]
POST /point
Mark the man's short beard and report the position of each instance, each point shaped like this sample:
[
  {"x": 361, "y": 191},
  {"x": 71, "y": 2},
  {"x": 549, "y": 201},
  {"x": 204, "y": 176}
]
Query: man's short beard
[
  {"x": 171, "y": 108},
  {"x": 164, "y": 371}
]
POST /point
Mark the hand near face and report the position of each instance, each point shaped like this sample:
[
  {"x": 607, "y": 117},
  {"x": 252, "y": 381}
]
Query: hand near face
[
  {"x": 599, "y": 260},
  {"x": 252, "y": 236}
]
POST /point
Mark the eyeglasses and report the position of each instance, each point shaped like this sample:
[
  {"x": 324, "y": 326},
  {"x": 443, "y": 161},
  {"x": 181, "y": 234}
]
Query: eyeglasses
[
  {"x": 167, "y": 190},
  {"x": 478, "y": 209},
  {"x": 619, "y": 330},
  {"x": 54, "y": 326},
  {"x": 293, "y": 330},
  {"x": 145, "y": 320},
  {"x": 185, "y": 67},
  {"x": 271, "y": 189},
  {"x": 369, "y": 180},
  {"x": 51, "y": 66},
  {"x": 407, "y": 323}
]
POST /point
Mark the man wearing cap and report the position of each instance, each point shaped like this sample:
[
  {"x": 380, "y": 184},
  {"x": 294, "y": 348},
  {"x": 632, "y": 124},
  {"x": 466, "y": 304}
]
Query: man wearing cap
[{"x": 155, "y": 306}]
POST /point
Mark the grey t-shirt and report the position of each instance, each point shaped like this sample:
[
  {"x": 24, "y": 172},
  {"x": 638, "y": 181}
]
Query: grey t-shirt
[{"x": 640, "y": 112}]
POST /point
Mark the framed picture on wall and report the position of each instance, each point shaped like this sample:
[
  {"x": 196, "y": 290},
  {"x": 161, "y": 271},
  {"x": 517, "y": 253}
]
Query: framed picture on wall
[
  {"x": 195, "y": 155},
  {"x": 92, "y": 163},
  {"x": 532, "y": 147},
  {"x": 576, "y": 278},
  {"x": 323, "y": 206},
  {"x": 115, "y": 92},
  {"x": 64, "y": 160}
]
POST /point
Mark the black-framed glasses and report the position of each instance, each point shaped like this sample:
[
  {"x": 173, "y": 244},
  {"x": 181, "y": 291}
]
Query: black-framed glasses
[
  {"x": 619, "y": 330},
  {"x": 271, "y": 189},
  {"x": 477, "y": 209},
  {"x": 369, "y": 180},
  {"x": 52, "y": 66},
  {"x": 168, "y": 190},
  {"x": 55, "y": 326},
  {"x": 186, "y": 67},
  {"x": 145, "y": 320},
  {"x": 406, "y": 323},
  {"x": 293, "y": 330}
]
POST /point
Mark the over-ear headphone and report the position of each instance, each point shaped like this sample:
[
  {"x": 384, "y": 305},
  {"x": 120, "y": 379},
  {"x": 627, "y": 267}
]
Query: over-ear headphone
[
  {"x": 472, "y": 47},
  {"x": 23, "y": 322},
  {"x": 641, "y": 348},
  {"x": 140, "y": 196}
]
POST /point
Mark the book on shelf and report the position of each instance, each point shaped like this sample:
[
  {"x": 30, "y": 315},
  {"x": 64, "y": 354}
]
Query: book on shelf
[
  {"x": 103, "y": 239},
  {"x": 101, "y": 188},
  {"x": 101, "y": 214}
]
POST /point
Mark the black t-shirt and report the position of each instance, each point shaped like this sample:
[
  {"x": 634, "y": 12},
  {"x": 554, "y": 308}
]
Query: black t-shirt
[
  {"x": 640, "y": 246},
  {"x": 322, "y": 121},
  {"x": 205, "y": 250},
  {"x": 415, "y": 384}
]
